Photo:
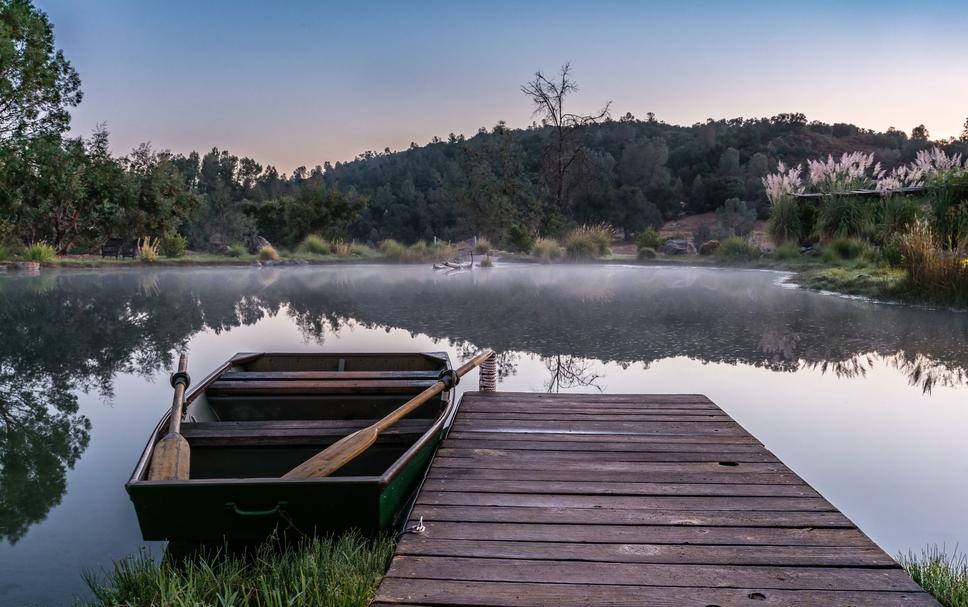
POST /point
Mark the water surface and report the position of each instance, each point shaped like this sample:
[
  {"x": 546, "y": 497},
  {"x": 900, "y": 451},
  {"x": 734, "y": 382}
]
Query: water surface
[{"x": 868, "y": 402}]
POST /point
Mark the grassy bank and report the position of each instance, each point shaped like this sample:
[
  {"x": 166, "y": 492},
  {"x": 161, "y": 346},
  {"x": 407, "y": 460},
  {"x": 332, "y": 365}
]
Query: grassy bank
[
  {"x": 342, "y": 572},
  {"x": 943, "y": 575}
]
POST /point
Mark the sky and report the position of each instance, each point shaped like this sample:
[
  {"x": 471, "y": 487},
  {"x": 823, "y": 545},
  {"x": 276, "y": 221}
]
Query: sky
[{"x": 299, "y": 83}]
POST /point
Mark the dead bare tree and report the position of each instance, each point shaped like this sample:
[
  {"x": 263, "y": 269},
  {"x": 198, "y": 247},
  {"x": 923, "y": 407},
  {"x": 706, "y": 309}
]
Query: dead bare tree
[{"x": 565, "y": 152}]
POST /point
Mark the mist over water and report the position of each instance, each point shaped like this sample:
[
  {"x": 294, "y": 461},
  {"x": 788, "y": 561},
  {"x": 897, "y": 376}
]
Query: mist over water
[{"x": 868, "y": 402}]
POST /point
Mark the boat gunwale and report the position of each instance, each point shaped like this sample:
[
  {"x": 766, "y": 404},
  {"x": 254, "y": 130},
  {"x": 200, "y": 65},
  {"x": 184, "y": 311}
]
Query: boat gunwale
[{"x": 138, "y": 475}]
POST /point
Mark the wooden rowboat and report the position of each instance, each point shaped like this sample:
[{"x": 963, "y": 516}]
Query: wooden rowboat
[{"x": 259, "y": 415}]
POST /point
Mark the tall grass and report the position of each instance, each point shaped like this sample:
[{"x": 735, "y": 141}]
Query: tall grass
[
  {"x": 351, "y": 249},
  {"x": 148, "y": 249},
  {"x": 785, "y": 224},
  {"x": 943, "y": 575},
  {"x": 483, "y": 246},
  {"x": 547, "y": 250},
  {"x": 648, "y": 239},
  {"x": 844, "y": 216},
  {"x": 341, "y": 572},
  {"x": 41, "y": 252},
  {"x": 737, "y": 249},
  {"x": 588, "y": 242},
  {"x": 937, "y": 273},
  {"x": 268, "y": 253},
  {"x": 315, "y": 245},
  {"x": 418, "y": 252}
]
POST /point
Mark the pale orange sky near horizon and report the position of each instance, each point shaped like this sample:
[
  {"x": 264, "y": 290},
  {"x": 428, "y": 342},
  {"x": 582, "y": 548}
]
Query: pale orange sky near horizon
[{"x": 305, "y": 82}]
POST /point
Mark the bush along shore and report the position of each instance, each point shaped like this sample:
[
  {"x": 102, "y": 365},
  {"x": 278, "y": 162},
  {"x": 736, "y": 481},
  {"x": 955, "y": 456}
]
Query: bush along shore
[{"x": 333, "y": 572}]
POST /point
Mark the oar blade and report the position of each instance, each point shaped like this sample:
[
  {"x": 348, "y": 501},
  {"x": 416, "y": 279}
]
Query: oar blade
[
  {"x": 334, "y": 457},
  {"x": 171, "y": 459}
]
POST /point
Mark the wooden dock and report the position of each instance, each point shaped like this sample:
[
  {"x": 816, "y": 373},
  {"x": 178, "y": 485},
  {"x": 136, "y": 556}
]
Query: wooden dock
[{"x": 580, "y": 500}]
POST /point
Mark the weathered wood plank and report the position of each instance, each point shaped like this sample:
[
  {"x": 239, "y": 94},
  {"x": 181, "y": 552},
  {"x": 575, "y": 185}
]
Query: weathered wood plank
[
  {"x": 559, "y": 474},
  {"x": 562, "y": 463},
  {"x": 418, "y": 591},
  {"x": 609, "y": 488},
  {"x": 560, "y": 416},
  {"x": 792, "y": 556},
  {"x": 467, "y": 443},
  {"x": 533, "y": 455},
  {"x": 609, "y": 516},
  {"x": 641, "y": 534},
  {"x": 543, "y": 435},
  {"x": 801, "y": 504},
  {"x": 649, "y": 574},
  {"x": 601, "y": 427},
  {"x": 270, "y": 433}
]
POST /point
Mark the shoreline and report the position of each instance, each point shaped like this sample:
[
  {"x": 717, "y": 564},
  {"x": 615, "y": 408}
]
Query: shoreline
[{"x": 880, "y": 284}]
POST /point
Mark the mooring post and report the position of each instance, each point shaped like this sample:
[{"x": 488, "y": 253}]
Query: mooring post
[{"x": 487, "y": 381}]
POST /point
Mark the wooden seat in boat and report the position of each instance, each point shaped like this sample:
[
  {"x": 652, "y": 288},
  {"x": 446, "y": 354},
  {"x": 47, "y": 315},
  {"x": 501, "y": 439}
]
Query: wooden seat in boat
[{"x": 291, "y": 432}]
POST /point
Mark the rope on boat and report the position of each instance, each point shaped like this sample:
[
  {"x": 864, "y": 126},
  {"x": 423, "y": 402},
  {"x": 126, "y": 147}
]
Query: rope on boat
[{"x": 487, "y": 381}]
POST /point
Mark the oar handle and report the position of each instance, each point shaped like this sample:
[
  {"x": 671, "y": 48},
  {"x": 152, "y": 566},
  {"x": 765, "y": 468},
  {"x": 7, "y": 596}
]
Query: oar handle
[{"x": 180, "y": 380}]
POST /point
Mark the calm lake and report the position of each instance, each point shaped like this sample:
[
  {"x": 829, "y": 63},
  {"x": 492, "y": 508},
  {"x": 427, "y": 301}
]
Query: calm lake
[{"x": 867, "y": 402}]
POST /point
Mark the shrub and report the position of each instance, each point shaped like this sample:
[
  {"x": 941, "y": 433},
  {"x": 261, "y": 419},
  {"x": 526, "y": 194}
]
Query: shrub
[
  {"x": 547, "y": 249},
  {"x": 173, "y": 245},
  {"x": 315, "y": 245},
  {"x": 648, "y": 239},
  {"x": 41, "y": 252},
  {"x": 483, "y": 246},
  {"x": 735, "y": 219},
  {"x": 237, "y": 250},
  {"x": 486, "y": 262},
  {"x": 148, "y": 249},
  {"x": 647, "y": 253},
  {"x": 892, "y": 252},
  {"x": 391, "y": 249},
  {"x": 787, "y": 251},
  {"x": 738, "y": 249},
  {"x": 351, "y": 249},
  {"x": 785, "y": 222},
  {"x": 898, "y": 213},
  {"x": 702, "y": 235},
  {"x": 844, "y": 248},
  {"x": 709, "y": 247},
  {"x": 268, "y": 253},
  {"x": 4, "y": 252},
  {"x": 520, "y": 239},
  {"x": 588, "y": 242}
]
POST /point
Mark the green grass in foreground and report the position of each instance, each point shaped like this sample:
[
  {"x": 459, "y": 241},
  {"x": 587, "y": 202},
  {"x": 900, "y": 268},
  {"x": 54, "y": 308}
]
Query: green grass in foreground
[
  {"x": 341, "y": 572},
  {"x": 943, "y": 575}
]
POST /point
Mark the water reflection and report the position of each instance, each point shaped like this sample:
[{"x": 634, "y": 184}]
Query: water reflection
[{"x": 70, "y": 332}]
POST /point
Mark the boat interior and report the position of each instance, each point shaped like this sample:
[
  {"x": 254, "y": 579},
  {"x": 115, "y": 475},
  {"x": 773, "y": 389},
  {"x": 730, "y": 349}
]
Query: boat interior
[{"x": 265, "y": 414}]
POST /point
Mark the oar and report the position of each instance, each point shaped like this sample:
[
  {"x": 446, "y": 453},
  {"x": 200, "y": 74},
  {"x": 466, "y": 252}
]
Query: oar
[
  {"x": 343, "y": 451},
  {"x": 170, "y": 461}
]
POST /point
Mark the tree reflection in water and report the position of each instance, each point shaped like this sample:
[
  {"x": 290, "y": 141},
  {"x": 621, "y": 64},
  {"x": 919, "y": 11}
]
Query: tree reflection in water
[{"x": 61, "y": 333}]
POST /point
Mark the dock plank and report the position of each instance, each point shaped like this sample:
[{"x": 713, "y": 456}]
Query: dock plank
[{"x": 578, "y": 500}]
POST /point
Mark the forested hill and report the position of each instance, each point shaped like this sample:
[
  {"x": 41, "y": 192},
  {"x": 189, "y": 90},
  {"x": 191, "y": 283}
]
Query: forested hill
[{"x": 633, "y": 173}]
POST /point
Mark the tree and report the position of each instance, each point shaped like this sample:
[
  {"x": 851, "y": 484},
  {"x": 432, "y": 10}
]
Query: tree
[
  {"x": 964, "y": 132},
  {"x": 37, "y": 84},
  {"x": 920, "y": 133},
  {"x": 565, "y": 150}
]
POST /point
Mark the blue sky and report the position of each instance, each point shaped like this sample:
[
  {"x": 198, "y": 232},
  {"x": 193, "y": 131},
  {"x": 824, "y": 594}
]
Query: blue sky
[{"x": 299, "y": 83}]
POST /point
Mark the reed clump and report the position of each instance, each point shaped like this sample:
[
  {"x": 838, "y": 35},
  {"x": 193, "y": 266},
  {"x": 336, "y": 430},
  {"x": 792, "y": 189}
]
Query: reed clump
[
  {"x": 148, "y": 250},
  {"x": 268, "y": 253},
  {"x": 40, "y": 252},
  {"x": 547, "y": 250},
  {"x": 588, "y": 242},
  {"x": 939, "y": 273},
  {"x": 737, "y": 248},
  {"x": 315, "y": 245},
  {"x": 340, "y": 572}
]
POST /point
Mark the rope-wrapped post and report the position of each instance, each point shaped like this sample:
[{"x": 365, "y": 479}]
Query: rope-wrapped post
[{"x": 488, "y": 375}]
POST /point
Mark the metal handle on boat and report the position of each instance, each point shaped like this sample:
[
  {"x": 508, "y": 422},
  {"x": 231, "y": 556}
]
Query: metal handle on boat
[{"x": 235, "y": 508}]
